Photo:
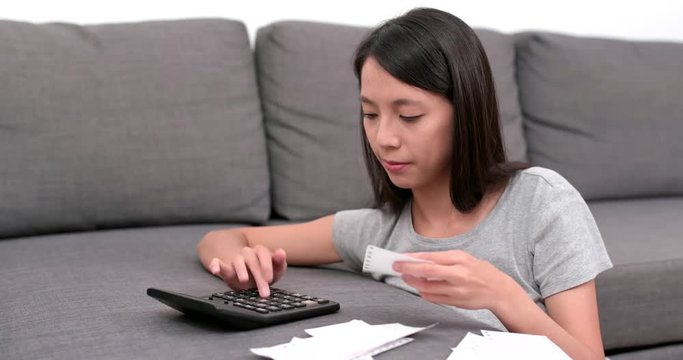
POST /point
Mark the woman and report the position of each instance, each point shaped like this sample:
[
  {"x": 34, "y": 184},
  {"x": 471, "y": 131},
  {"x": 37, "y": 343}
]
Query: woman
[{"x": 512, "y": 246}]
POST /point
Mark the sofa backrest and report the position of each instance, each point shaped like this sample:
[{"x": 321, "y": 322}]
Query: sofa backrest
[
  {"x": 129, "y": 124},
  {"x": 312, "y": 113},
  {"x": 162, "y": 122},
  {"x": 606, "y": 114}
]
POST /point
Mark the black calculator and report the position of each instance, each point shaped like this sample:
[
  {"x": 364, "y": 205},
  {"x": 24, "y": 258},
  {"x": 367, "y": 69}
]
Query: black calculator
[{"x": 245, "y": 309}]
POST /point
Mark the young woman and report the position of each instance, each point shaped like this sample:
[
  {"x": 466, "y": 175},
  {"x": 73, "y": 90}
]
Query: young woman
[{"x": 512, "y": 246}]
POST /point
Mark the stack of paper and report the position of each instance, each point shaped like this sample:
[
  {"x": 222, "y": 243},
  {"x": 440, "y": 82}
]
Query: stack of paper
[
  {"x": 504, "y": 345},
  {"x": 355, "y": 339}
]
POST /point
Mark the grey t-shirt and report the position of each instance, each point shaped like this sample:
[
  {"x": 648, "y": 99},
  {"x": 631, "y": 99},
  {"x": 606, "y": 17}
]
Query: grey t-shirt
[{"x": 540, "y": 232}]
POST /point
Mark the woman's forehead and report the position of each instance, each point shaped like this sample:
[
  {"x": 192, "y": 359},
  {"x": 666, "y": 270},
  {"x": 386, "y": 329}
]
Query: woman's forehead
[{"x": 379, "y": 85}]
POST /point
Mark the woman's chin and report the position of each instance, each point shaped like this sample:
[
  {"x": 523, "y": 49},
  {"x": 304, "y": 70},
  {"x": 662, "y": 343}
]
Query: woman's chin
[{"x": 401, "y": 183}]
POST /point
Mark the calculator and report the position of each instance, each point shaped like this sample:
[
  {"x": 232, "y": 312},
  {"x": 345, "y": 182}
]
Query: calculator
[{"x": 245, "y": 309}]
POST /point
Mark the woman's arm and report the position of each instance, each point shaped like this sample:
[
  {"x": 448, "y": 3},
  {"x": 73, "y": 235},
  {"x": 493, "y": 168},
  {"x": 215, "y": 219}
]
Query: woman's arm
[
  {"x": 257, "y": 256},
  {"x": 460, "y": 279},
  {"x": 571, "y": 322}
]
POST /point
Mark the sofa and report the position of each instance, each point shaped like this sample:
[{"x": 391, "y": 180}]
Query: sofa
[{"x": 121, "y": 145}]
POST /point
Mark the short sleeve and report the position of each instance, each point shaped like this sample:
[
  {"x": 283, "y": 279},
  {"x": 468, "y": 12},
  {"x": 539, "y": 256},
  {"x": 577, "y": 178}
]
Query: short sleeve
[
  {"x": 568, "y": 249},
  {"x": 354, "y": 230}
]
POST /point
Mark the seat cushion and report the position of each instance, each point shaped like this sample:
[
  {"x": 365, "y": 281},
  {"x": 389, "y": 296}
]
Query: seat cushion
[
  {"x": 640, "y": 298},
  {"x": 83, "y": 295},
  {"x": 311, "y": 108},
  {"x": 664, "y": 352},
  {"x": 128, "y": 124},
  {"x": 604, "y": 113}
]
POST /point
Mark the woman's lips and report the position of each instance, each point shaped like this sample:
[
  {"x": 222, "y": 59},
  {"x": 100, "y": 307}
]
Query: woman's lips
[{"x": 394, "y": 166}]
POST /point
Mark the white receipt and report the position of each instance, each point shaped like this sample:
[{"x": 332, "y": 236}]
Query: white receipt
[
  {"x": 503, "y": 345},
  {"x": 378, "y": 260},
  {"x": 353, "y": 340}
]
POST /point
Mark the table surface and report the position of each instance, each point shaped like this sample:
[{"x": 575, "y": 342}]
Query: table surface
[
  {"x": 83, "y": 295},
  {"x": 360, "y": 298}
]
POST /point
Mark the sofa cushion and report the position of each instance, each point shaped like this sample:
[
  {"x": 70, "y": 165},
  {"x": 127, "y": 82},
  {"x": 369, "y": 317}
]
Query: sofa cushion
[
  {"x": 311, "y": 109},
  {"x": 128, "y": 124},
  {"x": 607, "y": 114},
  {"x": 640, "y": 297},
  {"x": 83, "y": 296},
  {"x": 663, "y": 352}
]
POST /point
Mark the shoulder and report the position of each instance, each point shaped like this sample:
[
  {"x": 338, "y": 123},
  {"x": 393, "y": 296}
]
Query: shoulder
[
  {"x": 543, "y": 177},
  {"x": 546, "y": 189},
  {"x": 545, "y": 181}
]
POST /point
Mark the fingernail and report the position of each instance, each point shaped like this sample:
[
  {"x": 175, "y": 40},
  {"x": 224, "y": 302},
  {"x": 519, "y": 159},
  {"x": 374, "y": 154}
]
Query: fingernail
[{"x": 396, "y": 267}]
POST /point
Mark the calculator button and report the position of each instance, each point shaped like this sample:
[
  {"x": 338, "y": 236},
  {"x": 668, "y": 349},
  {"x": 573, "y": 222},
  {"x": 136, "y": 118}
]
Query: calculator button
[
  {"x": 261, "y": 310},
  {"x": 298, "y": 304},
  {"x": 273, "y": 308},
  {"x": 286, "y": 307},
  {"x": 322, "y": 301}
]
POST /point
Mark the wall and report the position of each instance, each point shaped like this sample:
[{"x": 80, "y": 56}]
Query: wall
[{"x": 646, "y": 20}]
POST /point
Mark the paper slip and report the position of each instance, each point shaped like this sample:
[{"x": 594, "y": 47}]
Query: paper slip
[
  {"x": 378, "y": 260},
  {"x": 353, "y": 340},
  {"x": 505, "y": 345}
]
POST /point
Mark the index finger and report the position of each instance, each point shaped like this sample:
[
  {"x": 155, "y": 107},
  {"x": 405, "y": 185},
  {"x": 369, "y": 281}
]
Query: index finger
[
  {"x": 255, "y": 269},
  {"x": 266, "y": 261}
]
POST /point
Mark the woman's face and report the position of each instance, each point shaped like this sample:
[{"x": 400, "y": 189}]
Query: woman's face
[{"x": 409, "y": 129}]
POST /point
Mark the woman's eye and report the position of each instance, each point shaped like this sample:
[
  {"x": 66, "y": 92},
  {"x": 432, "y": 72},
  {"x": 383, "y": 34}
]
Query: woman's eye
[
  {"x": 411, "y": 118},
  {"x": 369, "y": 116}
]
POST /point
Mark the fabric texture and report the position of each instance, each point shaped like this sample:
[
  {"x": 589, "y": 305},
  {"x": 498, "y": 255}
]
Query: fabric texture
[
  {"x": 639, "y": 299},
  {"x": 83, "y": 296},
  {"x": 663, "y": 352},
  {"x": 312, "y": 114},
  {"x": 540, "y": 233},
  {"x": 641, "y": 230},
  {"x": 128, "y": 124},
  {"x": 640, "y": 304},
  {"x": 603, "y": 112}
]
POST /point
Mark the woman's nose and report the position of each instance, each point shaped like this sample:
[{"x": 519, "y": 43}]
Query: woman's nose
[{"x": 388, "y": 133}]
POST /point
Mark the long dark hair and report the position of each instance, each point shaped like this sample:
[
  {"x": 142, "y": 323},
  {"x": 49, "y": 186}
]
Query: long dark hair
[{"x": 436, "y": 51}]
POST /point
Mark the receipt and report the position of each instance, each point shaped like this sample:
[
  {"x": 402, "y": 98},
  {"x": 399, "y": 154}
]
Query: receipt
[
  {"x": 353, "y": 340},
  {"x": 503, "y": 345},
  {"x": 378, "y": 260}
]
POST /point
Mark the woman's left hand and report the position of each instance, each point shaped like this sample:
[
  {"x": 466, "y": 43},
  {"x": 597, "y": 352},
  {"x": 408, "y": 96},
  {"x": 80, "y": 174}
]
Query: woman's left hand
[{"x": 457, "y": 278}]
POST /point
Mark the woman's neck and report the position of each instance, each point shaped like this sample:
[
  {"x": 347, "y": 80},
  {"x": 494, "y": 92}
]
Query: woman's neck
[{"x": 434, "y": 215}]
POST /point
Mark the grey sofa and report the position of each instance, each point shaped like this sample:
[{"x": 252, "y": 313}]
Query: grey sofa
[{"x": 122, "y": 144}]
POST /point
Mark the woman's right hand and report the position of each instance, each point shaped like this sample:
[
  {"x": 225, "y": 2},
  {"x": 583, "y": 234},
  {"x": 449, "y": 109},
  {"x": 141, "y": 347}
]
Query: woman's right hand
[{"x": 252, "y": 267}]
